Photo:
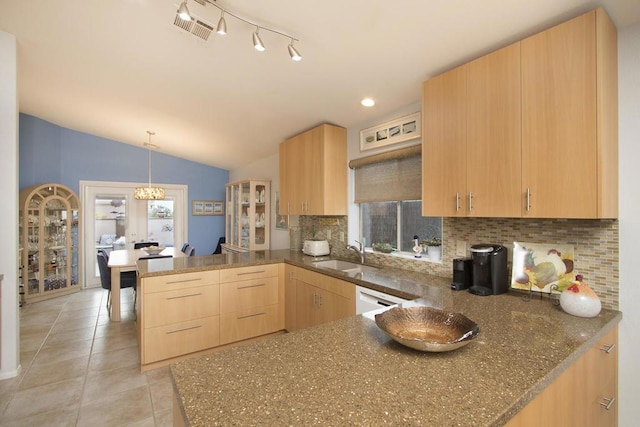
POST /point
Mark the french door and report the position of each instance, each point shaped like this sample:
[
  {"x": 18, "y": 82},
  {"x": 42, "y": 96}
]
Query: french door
[{"x": 113, "y": 219}]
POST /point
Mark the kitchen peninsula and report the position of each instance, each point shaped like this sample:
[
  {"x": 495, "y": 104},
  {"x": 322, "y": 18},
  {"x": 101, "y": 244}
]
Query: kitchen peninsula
[{"x": 349, "y": 372}]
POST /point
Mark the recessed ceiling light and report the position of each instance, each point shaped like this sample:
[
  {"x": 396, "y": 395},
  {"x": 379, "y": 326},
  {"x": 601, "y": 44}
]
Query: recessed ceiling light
[{"x": 368, "y": 102}]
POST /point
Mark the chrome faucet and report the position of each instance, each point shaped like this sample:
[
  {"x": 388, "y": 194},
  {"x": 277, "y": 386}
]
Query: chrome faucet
[{"x": 359, "y": 249}]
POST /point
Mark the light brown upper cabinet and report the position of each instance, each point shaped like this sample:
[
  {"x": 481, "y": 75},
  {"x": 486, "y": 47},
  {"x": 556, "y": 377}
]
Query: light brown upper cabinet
[
  {"x": 570, "y": 120},
  {"x": 313, "y": 172},
  {"x": 471, "y": 146},
  {"x": 527, "y": 131}
]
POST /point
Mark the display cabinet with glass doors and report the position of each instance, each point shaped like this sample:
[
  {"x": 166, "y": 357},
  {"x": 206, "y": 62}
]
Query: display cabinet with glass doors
[
  {"x": 49, "y": 238},
  {"x": 247, "y": 221}
]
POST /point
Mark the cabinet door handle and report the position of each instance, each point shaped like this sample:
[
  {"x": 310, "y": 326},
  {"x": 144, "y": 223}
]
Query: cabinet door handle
[
  {"x": 608, "y": 348},
  {"x": 288, "y": 208},
  {"x": 184, "y": 280},
  {"x": 183, "y": 329},
  {"x": 470, "y": 201},
  {"x": 251, "y": 315},
  {"x": 251, "y": 286},
  {"x": 252, "y": 272},
  {"x": 528, "y": 199},
  {"x": 184, "y": 296},
  {"x": 319, "y": 300},
  {"x": 607, "y": 402},
  {"x": 457, "y": 201}
]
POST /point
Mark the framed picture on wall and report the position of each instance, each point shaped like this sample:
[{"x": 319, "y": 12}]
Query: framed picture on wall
[
  {"x": 392, "y": 132},
  {"x": 207, "y": 207}
]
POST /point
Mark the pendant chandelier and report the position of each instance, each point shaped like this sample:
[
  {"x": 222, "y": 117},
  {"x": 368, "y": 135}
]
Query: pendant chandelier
[{"x": 149, "y": 193}]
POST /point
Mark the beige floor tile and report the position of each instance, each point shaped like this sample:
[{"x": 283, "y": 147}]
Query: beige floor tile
[
  {"x": 161, "y": 396},
  {"x": 159, "y": 374},
  {"x": 10, "y": 385},
  {"x": 66, "y": 325},
  {"x": 115, "y": 342},
  {"x": 32, "y": 342},
  {"x": 65, "y": 417},
  {"x": 44, "y": 318},
  {"x": 115, "y": 359},
  {"x": 26, "y": 330},
  {"x": 47, "y": 373},
  {"x": 79, "y": 313},
  {"x": 147, "y": 422},
  {"x": 63, "y": 351},
  {"x": 164, "y": 418},
  {"x": 104, "y": 383},
  {"x": 114, "y": 328},
  {"x": 4, "y": 402},
  {"x": 26, "y": 359},
  {"x": 117, "y": 409},
  {"x": 50, "y": 397},
  {"x": 62, "y": 337}
]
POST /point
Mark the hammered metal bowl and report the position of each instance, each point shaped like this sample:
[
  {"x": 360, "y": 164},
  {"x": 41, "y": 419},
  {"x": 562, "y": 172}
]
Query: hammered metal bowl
[{"x": 427, "y": 328}]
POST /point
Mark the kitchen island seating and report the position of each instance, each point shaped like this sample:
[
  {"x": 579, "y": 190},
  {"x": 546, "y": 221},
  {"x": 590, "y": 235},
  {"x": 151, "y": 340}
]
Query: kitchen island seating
[{"x": 127, "y": 278}]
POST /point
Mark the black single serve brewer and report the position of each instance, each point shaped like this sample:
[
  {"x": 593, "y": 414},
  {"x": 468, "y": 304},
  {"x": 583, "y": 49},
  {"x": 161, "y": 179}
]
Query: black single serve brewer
[{"x": 489, "y": 269}]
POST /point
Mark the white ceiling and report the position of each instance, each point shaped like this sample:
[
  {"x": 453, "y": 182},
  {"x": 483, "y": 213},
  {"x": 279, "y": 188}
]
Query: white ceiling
[{"x": 117, "y": 68}]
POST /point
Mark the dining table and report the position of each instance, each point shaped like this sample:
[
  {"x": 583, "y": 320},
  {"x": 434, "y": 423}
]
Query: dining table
[{"x": 125, "y": 260}]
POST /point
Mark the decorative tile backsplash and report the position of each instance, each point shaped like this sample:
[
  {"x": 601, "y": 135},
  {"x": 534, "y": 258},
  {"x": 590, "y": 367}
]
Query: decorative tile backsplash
[{"x": 596, "y": 245}]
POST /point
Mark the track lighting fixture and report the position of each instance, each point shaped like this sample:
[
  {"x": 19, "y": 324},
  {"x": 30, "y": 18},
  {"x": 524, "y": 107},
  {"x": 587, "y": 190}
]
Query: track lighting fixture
[
  {"x": 257, "y": 41},
  {"x": 222, "y": 25},
  {"x": 295, "y": 56},
  {"x": 183, "y": 13}
]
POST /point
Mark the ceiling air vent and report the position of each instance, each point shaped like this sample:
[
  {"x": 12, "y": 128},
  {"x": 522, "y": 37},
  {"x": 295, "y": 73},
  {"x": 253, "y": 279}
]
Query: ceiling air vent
[{"x": 201, "y": 29}]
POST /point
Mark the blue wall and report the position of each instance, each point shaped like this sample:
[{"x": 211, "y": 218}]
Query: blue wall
[{"x": 50, "y": 153}]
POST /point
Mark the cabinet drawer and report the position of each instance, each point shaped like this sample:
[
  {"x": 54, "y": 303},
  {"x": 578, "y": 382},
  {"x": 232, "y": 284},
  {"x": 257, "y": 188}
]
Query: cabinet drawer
[
  {"x": 165, "y": 308},
  {"x": 181, "y": 338},
  {"x": 246, "y": 294},
  {"x": 178, "y": 281},
  {"x": 245, "y": 273},
  {"x": 244, "y": 324},
  {"x": 331, "y": 284}
]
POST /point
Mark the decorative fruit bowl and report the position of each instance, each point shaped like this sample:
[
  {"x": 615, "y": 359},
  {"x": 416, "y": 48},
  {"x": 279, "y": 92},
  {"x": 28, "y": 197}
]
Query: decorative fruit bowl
[
  {"x": 427, "y": 328},
  {"x": 382, "y": 247},
  {"x": 154, "y": 250}
]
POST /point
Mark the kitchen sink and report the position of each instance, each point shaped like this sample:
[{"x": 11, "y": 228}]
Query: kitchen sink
[{"x": 343, "y": 266}]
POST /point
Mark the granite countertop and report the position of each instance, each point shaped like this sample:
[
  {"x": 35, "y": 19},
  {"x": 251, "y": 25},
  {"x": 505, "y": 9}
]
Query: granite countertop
[{"x": 349, "y": 372}]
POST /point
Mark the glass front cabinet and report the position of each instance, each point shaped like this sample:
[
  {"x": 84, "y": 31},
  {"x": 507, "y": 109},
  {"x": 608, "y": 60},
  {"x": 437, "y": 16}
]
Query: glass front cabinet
[
  {"x": 247, "y": 219},
  {"x": 49, "y": 239}
]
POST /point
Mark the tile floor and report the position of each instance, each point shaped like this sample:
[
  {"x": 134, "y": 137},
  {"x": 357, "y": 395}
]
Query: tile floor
[{"x": 80, "y": 369}]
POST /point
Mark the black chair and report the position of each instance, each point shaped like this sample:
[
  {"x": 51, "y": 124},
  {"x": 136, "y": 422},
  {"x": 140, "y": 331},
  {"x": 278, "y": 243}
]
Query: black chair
[
  {"x": 127, "y": 278},
  {"x": 104, "y": 252},
  {"x": 155, "y": 257},
  {"x": 141, "y": 245},
  {"x": 219, "y": 247},
  {"x": 184, "y": 247}
]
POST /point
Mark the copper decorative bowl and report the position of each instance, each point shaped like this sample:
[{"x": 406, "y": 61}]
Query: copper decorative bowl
[{"x": 427, "y": 328}]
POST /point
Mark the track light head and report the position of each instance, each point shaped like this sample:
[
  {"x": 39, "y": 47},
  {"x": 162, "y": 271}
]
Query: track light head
[
  {"x": 183, "y": 11},
  {"x": 222, "y": 25},
  {"x": 257, "y": 41},
  {"x": 293, "y": 53}
]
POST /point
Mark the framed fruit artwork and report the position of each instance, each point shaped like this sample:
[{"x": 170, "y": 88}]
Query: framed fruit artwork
[{"x": 540, "y": 267}]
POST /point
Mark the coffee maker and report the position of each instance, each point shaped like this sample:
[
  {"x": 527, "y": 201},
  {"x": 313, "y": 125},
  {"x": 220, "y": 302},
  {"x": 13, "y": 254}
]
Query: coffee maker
[{"x": 489, "y": 269}]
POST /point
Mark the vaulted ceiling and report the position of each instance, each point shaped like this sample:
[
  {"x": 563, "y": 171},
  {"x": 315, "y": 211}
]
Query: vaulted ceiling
[{"x": 118, "y": 68}]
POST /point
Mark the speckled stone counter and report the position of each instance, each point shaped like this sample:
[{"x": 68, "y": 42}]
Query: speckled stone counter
[{"x": 350, "y": 373}]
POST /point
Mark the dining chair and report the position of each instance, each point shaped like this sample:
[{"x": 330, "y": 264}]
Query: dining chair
[
  {"x": 104, "y": 252},
  {"x": 219, "y": 246},
  {"x": 127, "y": 279},
  {"x": 184, "y": 247},
  {"x": 141, "y": 245},
  {"x": 190, "y": 251}
]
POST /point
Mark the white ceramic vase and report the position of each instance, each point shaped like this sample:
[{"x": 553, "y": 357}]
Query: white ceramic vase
[{"x": 434, "y": 253}]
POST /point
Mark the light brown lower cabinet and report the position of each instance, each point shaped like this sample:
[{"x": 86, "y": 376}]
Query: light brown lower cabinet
[
  {"x": 313, "y": 298},
  {"x": 180, "y": 314},
  {"x": 583, "y": 395}
]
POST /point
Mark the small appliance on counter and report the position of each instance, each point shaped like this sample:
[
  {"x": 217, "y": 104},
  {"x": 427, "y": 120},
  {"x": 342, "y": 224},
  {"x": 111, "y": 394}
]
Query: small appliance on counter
[
  {"x": 462, "y": 273},
  {"x": 316, "y": 247},
  {"x": 489, "y": 275}
]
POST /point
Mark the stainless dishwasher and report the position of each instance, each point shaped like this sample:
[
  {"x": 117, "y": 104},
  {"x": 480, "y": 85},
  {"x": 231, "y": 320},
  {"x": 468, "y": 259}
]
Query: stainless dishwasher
[{"x": 368, "y": 300}]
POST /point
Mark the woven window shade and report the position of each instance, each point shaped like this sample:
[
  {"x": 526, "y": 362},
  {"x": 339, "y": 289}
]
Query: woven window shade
[{"x": 394, "y": 178}]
